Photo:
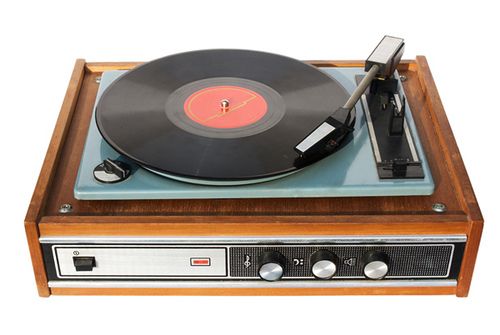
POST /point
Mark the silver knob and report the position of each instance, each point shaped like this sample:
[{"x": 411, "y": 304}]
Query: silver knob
[
  {"x": 272, "y": 265},
  {"x": 376, "y": 270},
  {"x": 271, "y": 271},
  {"x": 375, "y": 264},
  {"x": 324, "y": 264},
  {"x": 324, "y": 269}
]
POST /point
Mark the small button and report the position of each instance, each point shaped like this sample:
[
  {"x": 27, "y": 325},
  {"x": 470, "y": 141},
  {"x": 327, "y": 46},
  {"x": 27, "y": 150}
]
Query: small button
[{"x": 84, "y": 263}]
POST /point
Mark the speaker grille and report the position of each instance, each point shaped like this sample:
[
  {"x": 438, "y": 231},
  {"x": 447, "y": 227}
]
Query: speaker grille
[{"x": 405, "y": 261}]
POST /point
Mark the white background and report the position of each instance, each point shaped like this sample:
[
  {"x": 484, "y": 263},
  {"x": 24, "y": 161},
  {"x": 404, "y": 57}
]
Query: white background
[{"x": 41, "y": 39}]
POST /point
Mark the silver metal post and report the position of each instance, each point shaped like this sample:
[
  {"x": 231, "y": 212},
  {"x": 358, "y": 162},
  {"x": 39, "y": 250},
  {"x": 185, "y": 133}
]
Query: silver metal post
[{"x": 358, "y": 92}]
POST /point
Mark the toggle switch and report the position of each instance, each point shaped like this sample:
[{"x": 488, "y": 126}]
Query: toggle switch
[{"x": 84, "y": 263}]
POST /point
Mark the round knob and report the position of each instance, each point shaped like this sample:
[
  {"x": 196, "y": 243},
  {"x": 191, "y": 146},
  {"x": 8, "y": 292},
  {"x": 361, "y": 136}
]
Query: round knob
[
  {"x": 272, "y": 264},
  {"x": 323, "y": 264},
  {"x": 375, "y": 264}
]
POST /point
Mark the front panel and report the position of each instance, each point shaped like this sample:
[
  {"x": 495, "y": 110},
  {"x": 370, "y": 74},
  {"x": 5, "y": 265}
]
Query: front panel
[{"x": 253, "y": 262}]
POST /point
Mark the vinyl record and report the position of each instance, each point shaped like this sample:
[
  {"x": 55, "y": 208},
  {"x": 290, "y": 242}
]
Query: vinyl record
[{"x": 217, "y": 116}]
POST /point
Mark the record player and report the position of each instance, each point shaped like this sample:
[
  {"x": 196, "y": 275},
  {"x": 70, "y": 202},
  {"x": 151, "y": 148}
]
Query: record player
[{"x": 238, "y": 172}]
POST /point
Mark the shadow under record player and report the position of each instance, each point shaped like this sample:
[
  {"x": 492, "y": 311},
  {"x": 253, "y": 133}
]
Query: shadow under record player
[{"x": 245, "y": 172}]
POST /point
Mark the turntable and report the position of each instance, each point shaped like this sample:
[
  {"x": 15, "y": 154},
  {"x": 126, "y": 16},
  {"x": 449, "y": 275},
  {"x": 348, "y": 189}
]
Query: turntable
[{"x": 244, "y": 172}]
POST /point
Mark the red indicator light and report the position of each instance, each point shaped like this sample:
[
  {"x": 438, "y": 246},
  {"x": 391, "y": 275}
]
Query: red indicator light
[{"x": 200, "y": 261}]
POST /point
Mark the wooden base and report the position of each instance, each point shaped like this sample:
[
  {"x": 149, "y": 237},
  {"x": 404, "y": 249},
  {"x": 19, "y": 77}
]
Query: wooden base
[{"x": 253, "y": 217}]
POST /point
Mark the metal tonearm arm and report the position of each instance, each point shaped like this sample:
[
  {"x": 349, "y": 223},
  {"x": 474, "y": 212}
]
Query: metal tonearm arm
[{"x": 327, "y": 136}]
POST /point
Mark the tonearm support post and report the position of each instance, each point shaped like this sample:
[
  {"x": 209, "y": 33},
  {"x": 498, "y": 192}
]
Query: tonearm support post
[{"x": 327, "y": 136}]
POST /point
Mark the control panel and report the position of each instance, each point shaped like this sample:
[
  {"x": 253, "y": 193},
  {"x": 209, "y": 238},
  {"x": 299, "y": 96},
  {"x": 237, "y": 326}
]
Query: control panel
[{"x": 265, "y": 260}]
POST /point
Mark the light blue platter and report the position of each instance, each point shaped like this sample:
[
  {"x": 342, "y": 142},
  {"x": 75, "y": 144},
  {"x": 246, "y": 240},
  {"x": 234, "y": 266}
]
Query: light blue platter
[{"x": 350, "y": 172}]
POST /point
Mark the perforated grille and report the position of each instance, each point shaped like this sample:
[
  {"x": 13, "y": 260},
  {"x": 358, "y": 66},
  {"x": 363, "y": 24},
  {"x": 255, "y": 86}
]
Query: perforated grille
[{"x": 406, "y": 261}]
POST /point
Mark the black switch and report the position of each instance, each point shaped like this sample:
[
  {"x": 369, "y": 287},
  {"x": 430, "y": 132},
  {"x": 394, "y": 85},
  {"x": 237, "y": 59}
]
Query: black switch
[{"x": 84, "y": 263}]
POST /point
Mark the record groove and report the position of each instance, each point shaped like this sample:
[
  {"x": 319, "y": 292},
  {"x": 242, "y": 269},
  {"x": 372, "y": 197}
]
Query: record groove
[{"x": 143, "y": 114}]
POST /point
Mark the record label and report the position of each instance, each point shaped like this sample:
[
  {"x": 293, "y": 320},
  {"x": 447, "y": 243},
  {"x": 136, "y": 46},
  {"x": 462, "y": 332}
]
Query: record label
[{"x": 225, "y": 107}]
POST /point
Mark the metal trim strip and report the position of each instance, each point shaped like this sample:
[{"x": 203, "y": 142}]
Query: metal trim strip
[
  {"x": 354, "y": 239},
  {"x": 253, "y": 284}
]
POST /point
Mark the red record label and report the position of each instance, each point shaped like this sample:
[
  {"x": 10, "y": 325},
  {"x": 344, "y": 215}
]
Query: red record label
[{"x": 225, "y": 107}]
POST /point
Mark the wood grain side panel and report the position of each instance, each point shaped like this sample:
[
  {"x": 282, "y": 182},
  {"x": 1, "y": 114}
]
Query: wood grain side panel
[
  {"x": 253, "y": 292},
  {"x": 98, "y": 67},
  {"x": 56, "y": 143},
  {"x": 61, "y": 190},
  {"x": 352, "y": 218},
  {"x": 119, "y": 228},
  {"x": 39, "y": 198},
  {"x": 452, "y": 156},
  {"x": 37, "y": 259},
  {"x": 469, "y": 260}
]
